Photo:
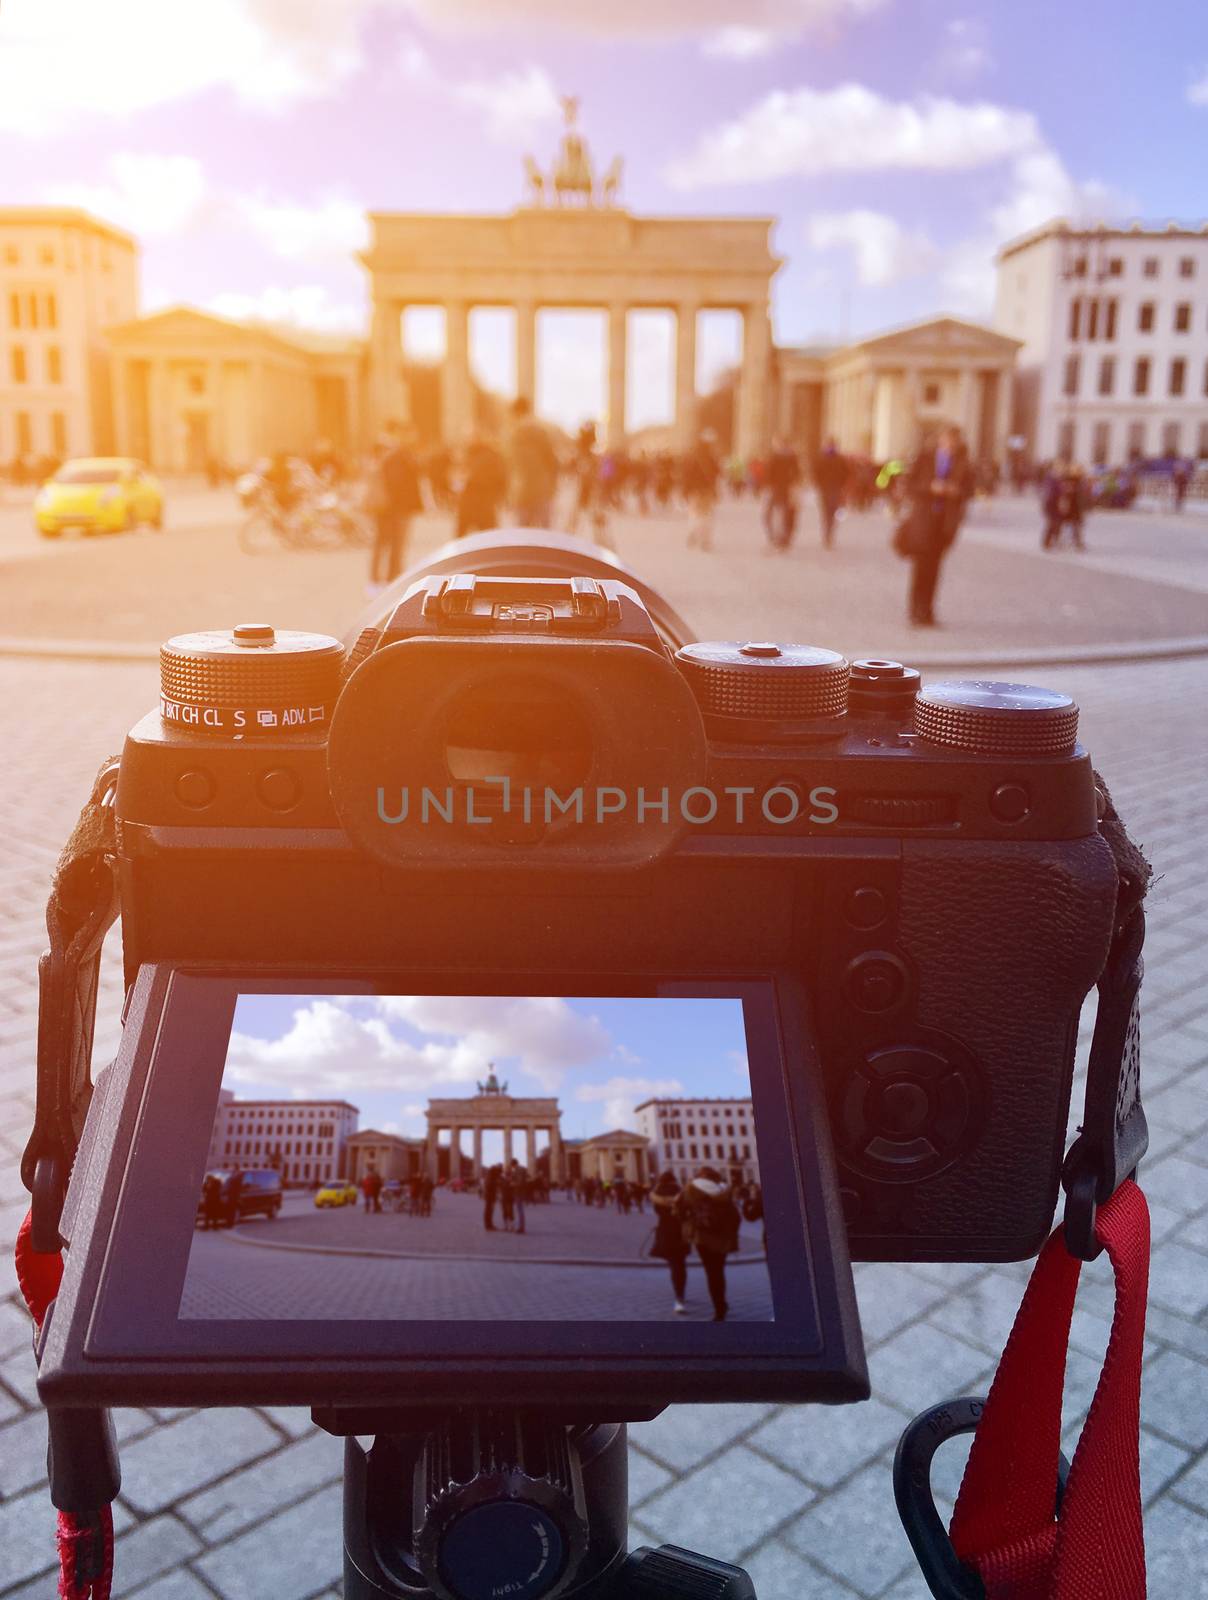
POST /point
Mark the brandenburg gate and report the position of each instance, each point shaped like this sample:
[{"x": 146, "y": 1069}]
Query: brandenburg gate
[
  {"x": 572, "y": 245},
  {"x": 493, "y": 1108}
]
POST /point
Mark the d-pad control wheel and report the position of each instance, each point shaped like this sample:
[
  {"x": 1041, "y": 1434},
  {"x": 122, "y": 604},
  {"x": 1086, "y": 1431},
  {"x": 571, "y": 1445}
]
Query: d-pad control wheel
[{"x": 907, "y": 1112}]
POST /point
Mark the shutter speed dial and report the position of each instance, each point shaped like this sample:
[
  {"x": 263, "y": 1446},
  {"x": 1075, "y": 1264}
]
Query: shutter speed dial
[{"x": 763, "y": 690}]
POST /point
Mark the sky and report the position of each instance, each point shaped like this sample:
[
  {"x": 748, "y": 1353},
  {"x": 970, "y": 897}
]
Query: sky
[
  {"x": 896, "y": 142},
  {"x": 387, "y": 1054}
]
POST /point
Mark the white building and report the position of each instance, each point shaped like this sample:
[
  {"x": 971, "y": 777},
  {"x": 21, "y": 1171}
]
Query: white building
[
  {"x": 685, "y": 1135},
  {"x": 64, "y": 279},
  {"x": 304, "y": 1139},
  {"x": 1114, "y": 324}
]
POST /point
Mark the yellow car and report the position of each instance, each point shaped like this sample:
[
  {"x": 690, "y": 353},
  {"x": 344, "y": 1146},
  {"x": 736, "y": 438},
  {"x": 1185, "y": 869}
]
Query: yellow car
[
  {"x": 336, "y": 1193},
  {"x": 99, "y": 494}
]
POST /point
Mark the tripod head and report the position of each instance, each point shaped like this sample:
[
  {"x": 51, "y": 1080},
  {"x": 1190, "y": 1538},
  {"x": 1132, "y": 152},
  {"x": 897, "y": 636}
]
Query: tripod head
[{"x": 487, "y": 1504}]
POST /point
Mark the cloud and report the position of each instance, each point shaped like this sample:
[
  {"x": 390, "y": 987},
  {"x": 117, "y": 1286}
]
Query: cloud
[
  {"x": 148, "y": 194},
  {"x": 349, "y": 1044},
  {"x": 618, "y": 19},
  {"x": 515, "y": 106},
  {"x": 1039, "y": 187},
  {"x": 1197, "y": 91},
  {"x": 884, "y": 250},
  {"x": 63, "y": 62},
  {"x": 965, "y": 52},
  {"x": 330, "y": 228},
  {"x": 619, "y": 1096},
  {"x": 740, "y": 44},
  {"x": 810, "y": 132},
  {"x": 304, "y": 305}
]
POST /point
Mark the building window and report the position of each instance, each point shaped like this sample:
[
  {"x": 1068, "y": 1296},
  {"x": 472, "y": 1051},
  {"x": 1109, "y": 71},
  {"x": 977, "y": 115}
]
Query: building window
[
  {"x": 1109, "y": 329},
  {"x": 1182, "y": 317},
  {"x": 58, "y": 433},
  {"x": 1065, "y": 441},
  {"x": 54, "y": 364},
  {"x": 1076, "y": 317},
  {"x": 1107, "y": 375},
  {"x": 1115, "y": 267},
  {"x": 1186, "y": 266},
  {"x": 197, "y": 383},
  {"x": 1170, "y": 438},
  {"x": 1092, "y": 319},
  {"x": 48, "y": 257},
  {"x": 1145, "y": 317},
  {"x": 1178, "y": 375},
  {"x": 12, "y": 255},
  {"x": 1150, "y": 268},
  {"x": 14, "y": 310},
  {"x": 1206, "y": 379},
  {"x": 931, "y": 394},
  {"x": 1202, "y": 448},
  {"x": 1141, "y": 375},
  {"x": 1136, "y": 440},
  {"x": 16, "y": 364},
  {"x": 1070, "y": 381},
  {"x": 1079, "y": 268},
  {"x": 25, "y": 437},
  {"x": 1101, "y": 444}
]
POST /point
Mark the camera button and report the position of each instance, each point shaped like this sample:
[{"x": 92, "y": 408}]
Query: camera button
[
  {"x": 866, "y": 907},
  {"x": 875, "y": 981},
  {"x": 279, "y": 789},
  {"x": 195, "y": 789},
  {"x": 1010, "y": 802}
]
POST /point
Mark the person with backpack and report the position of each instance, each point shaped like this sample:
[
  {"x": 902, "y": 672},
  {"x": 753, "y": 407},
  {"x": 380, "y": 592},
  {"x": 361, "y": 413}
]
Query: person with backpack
[
  {"x": 710, "y": 1222},
  {"x": 669, "y": 1242}
]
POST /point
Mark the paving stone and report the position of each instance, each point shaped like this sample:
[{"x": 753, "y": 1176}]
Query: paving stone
[
  {"x": 779, "y": 1573},
  {"x": 180, "y": 1584},
  {"x": 1178, "y": 1279},
  {"x": 16, "y": 1328},
  {"x": 983, "y": 1313},
  {"x": 827, "y": 1443},
  {"x": 1193, "y": 1485},
  {"x": 175, "y": 1460},
  {"x": 890, "y": 1295},
  {"x": 645, "y": 1476},
  {"x": 294, "y": 1420},
  {"x": 23, "y": 1454},
  {"x": 288, "y": 1557},
  {"x": 248, "y": 1496},
  {"x": 728, "y": 1506},
  {"x": 683, "y": 1435},
  {"x": 923, "y": 1365},
  {"x": 1176, "y": 1550},
  {"x": 1181, "y": 1184},
  {"x": 148, "y": 1549},
  {"x": 1160, "y": 1462},
  {"x": 1173, "y": 1390},
  {"x": 856, "y": 1534},
  {"x": 20, "y": 1374},
  {"x": 27, "y": 1544}
]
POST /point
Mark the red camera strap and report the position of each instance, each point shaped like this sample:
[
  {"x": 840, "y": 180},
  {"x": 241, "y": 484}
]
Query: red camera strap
[
  {"x": 1004, "y": 1525},
  {"x": 85, "y": 1542}
]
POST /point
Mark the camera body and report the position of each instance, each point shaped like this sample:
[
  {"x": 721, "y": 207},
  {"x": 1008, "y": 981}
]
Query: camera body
[{"x": 920, "y": 872}]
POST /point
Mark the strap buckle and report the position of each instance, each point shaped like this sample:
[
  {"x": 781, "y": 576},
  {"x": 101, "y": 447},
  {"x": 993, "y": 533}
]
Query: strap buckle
[{"x": 947, "y": 1577}]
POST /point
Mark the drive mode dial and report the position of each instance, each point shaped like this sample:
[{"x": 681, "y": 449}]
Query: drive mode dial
[
  {"x": 250, "y": 681},
  {"x": 757, "y": 689}
]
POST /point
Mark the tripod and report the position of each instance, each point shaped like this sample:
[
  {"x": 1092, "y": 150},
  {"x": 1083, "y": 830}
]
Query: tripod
[{"x": 502, "y": 1505}]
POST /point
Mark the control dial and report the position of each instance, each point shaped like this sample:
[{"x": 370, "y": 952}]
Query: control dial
[
  {"x": 760, "y": 690},
  {"x": 248, "y": 681},
  {"x": 997, "y": 719}
]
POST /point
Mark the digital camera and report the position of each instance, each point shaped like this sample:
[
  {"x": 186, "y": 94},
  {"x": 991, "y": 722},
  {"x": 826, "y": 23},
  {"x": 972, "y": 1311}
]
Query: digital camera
[{"x": 537, "y": 947}]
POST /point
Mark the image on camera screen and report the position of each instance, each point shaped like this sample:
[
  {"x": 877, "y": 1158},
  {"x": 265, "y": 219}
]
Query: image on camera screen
[{"x": 482, "y": 1158}]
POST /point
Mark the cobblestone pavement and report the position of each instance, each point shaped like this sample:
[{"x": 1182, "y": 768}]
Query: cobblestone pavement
[
  {"x": 999, "y": 592},
  {"x": 246, "y": 1504}
]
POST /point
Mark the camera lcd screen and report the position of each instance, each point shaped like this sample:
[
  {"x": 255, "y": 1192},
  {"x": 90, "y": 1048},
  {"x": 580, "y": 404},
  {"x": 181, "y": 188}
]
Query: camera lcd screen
[{"x": 482, "y": 1158}]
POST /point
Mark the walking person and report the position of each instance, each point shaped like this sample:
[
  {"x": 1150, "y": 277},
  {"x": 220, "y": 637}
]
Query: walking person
[
  {"x": 483, "y": 489},
  {"x": 396, "y": 496},
  {"x": 780, "y": 507},
  {"x": 507, "y": 1198},
  {"x": 1180, "y": 479},
  {"x": 534, "y": 468},
  {"x": 940, "y": 485},
  {"x": 710, "y": 1222},
  {"x": 1064, "y": 505},
  {"x": 669, "y": 1242},
  {"x": 830, "y": 482},
  {"x": 490, "y": 1197},
  {"x": 520, "y": 1192},
  {"x": 701, "y": 473}
]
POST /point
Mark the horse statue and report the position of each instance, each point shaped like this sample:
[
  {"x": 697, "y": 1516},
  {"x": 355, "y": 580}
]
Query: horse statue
[
  {"x": 535, "y": 180},
  {"x": 610, "y": 187}
]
